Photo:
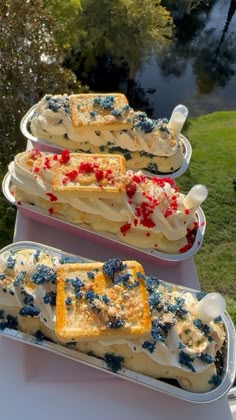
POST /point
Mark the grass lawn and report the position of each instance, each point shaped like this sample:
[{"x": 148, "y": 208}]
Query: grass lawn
[{"x": 213, "y": 163}]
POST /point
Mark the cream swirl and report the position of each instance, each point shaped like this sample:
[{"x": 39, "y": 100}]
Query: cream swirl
[
  {"x": 147, "y": 135},
  {"x": 147, "y": 206}
]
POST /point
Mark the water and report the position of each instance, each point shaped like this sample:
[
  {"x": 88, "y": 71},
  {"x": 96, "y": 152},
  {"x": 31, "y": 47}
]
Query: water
[{"x": 200, "y": 72}]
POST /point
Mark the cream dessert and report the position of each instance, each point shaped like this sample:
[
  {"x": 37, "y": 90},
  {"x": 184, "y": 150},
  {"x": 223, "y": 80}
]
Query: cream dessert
[
  {"x": 39, "y": 295},
  {"x": 98, "y": 192},
  {"x": 105, "y": 123}
]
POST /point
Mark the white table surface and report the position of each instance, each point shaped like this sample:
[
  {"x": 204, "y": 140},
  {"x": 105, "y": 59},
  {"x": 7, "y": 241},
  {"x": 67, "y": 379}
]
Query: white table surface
[{"x": 36, "y": 384}]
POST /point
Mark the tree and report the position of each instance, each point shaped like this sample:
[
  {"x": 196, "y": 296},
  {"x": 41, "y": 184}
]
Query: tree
[
  {"x": 125, "y": 30},
  {"x": 30, "y": 62},
  {"x": 68, "y": 16},
  {"x": 30, "y": 65}
]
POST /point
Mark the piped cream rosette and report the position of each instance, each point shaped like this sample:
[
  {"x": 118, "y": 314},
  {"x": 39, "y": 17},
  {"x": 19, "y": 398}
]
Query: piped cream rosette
[
  {"x": 180, "y": 345},
  {"x": 146, "y": 143},
  {"x": 98, "y": 191}
]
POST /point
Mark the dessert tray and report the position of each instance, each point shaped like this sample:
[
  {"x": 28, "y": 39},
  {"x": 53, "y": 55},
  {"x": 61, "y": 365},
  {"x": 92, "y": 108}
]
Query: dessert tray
[
  {"x": 229, "y": 357},
  {"x": 43, "y": 145},
  {"x": 83, "y": 230}
]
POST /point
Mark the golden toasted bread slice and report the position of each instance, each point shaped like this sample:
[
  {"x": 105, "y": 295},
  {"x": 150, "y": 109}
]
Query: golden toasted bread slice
[
  {"x": 102, "y": 175},
  {"x": 101, "y": 301},
  {"x": 97, "y": 111}
]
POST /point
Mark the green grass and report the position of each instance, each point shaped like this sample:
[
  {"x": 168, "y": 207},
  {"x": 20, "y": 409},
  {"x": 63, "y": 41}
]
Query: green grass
[{"x": 213, "y": 163}]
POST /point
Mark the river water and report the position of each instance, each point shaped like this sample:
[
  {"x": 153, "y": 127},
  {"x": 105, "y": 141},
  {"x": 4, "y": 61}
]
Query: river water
[{"x": 200, "y": 72}]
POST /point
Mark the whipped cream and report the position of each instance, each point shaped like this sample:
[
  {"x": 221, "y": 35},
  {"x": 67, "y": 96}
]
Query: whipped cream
[{"x": 52, "y": 116}]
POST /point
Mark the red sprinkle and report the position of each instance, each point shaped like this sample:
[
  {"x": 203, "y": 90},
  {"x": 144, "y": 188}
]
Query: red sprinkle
[
  {"x": 51, "y": 210},
  {"x": 65, "y": 156},
  {"x": 47, "y": 163},
  {"x": 148, "y": 234},
  {"x": 19, "y": 203},
  {"x": 86, "y": 167},
  {"x": 35, "y": 154},
  {"x": 99, "y": 175},
  {"x": 139, "y": 179},
  {"x": 131, "y": 190},
  {"x": 36, "y": 169},
  {"x": 125, "y": 228},
  {"x": 70, "y": 176},
  {"x": 186, "y": 211},
  {"x": 168, "y": 212},
  {"x": 147, "y": 222},
  {"x": 51, "y": 196}
]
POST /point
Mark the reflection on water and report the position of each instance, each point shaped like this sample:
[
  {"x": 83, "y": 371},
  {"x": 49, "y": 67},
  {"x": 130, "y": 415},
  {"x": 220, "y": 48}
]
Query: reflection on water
[{"x": 200, "y": 69}]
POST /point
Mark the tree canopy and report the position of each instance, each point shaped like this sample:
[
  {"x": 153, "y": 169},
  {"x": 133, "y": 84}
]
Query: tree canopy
[
  {"x": 30, "y": 62},
  {"x": 125, "y": 30}
]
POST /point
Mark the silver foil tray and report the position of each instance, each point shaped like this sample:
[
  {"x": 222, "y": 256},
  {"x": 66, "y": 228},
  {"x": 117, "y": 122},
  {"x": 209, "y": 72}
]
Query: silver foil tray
[
  {"x": 43, "y": 145},
  {"x": 59, "y": 222},
  {"x": 229, "y": 367}
]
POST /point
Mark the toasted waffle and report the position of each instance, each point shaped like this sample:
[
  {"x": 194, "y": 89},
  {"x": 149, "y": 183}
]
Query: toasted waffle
[
  {"x": 101, "y": 301},
  {"x": 100, "y": 112}
]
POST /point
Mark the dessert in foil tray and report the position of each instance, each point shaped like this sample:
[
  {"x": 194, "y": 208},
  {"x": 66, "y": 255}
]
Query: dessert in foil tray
[
  {"x": 97, "y": 191},
  {"x": 113, "y": 312},
  {"x": 105, "y": 123}
]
